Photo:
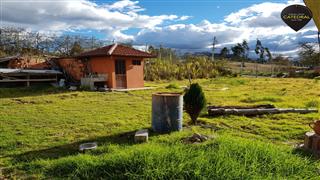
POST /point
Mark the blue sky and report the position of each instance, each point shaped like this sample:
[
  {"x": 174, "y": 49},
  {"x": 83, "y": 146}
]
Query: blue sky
[
  {"x": 212, "y": 10},
  {"x": 187, "y": 25}
]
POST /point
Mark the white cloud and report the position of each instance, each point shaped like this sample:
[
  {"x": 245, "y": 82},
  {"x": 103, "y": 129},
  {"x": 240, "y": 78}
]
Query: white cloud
[
  {"x": 81, "y": 14},
  {"x": 259, "y": 21},
  {"x": 125, "y": 4},
  {"x": 188, "y": 36},
  {"x": 263, "y": 10},
  {"x": 183, "y": 18},
  {"x": 121, "y": 37}
]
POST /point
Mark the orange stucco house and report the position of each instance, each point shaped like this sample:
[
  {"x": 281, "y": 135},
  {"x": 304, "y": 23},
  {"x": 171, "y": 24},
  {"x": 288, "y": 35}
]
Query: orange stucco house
[{"x": 122, "y": 65}]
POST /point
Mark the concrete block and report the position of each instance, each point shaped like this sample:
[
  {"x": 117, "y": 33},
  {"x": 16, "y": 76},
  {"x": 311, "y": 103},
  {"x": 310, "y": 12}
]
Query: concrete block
[
  {"x": 141, "y": 136},
  {"x": 88, "y": 146}
]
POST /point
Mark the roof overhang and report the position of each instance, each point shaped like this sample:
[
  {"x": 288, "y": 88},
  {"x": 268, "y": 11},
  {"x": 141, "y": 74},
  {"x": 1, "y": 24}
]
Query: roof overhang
[{"x": 27, "y": 71}]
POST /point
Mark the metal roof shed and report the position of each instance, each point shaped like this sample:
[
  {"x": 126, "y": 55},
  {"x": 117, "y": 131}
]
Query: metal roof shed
[{"x": 27, "y": 76}]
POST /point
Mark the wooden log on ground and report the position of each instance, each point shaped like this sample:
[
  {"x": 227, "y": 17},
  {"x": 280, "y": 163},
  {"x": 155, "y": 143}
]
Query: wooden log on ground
[
  {"x": 256, "y": 111},
  {"x": 230, "y": 111},
  {"x": 217, "y": 112},
  {"x": 268, "y": 111},
  {"x": 247, "y": 112},
  {"x": 262, "y": 106},
  {"x": 285, "y": 110},
  {"x": 305, "y": 111}
]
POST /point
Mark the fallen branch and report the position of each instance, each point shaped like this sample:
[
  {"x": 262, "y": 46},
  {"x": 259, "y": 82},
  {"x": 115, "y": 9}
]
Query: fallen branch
[
  {"x": 251, "y": 111},
  {"x": 262, "y": 106}
]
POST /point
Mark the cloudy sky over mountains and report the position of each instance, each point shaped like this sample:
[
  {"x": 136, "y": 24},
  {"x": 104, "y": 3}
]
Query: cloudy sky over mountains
[{"x": 186, "y": 25}]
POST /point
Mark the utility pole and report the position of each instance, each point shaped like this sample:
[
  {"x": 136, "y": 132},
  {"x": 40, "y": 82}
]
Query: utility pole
[
  {"x": 319, "y": 45},
  {"x": 256, "y": 69},
  {"x": 214, "y": 42},
  {"x": 1, "y": 45},
  {"x": 160, "y": 48},
  {"x": 18, "y": 41},
  {"x": 92, "y": 42}
]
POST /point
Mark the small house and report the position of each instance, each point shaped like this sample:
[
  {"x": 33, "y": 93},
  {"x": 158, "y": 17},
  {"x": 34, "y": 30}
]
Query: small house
[{"x": 122, "y": 66}]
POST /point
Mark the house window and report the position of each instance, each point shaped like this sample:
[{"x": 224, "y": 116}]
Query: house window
[{"x": 136, "y": 62}]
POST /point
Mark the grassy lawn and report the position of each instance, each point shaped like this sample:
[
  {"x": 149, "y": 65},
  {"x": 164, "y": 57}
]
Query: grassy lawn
[
  {"x": 41, "y": 129},
  {"x": 263, "y": 69}
]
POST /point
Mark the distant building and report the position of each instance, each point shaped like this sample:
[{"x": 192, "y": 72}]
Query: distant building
[{"x": 317, "y": 69}]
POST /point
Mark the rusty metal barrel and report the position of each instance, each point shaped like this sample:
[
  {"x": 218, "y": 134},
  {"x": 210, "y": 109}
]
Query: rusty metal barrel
[{"x": 167, "y": 112}]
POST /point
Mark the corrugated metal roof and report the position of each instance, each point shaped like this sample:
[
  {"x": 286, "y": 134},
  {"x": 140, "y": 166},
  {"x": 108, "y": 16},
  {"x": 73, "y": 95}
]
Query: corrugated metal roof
[
  {"x": 28, "y": 71},
  {"x": 4, "y": 59}
]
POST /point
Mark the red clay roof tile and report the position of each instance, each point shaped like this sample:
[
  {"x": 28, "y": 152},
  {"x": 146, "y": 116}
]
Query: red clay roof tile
[{"x": 116, "y": 50}]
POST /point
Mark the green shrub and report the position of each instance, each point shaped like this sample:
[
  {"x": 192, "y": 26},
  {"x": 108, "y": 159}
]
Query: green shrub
[
  {"x": 194, "y": 101},
  {"x": 317, "y": 78},
  {"x": 306, "y": 74},
  {"x": 84, "y": 88},
  {"x": 195, "y": 67},
  {"x": 313, "y": 104},
  {"x": 261, "y": 99},
  {"x": 172, "y": 86}
]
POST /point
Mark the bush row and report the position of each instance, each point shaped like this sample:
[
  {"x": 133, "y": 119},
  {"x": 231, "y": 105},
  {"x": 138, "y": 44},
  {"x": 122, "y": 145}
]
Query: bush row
[{"x": 197, "y": 67}]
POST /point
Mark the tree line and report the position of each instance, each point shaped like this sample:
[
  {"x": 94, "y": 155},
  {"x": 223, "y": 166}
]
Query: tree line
[
  {"x": 241, "y": 51},
  {"x": 309, "y": 56},
  {"x": 15, "y": 41}
]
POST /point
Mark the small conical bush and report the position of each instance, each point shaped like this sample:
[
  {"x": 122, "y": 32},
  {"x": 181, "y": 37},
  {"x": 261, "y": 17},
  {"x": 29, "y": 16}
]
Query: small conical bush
[{"x": 194, "y": 101}]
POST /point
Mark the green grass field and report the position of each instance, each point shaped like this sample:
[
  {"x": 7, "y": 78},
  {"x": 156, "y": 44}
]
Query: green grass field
[
  {"x": 41, "y": 129},
  {"x": 259, "y": 69}
]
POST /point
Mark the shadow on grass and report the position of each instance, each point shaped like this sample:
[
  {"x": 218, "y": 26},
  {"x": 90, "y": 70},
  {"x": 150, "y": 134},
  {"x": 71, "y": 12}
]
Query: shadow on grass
[
  {"x": 38, "y": 90},
  {"x": 126, "y": 138},
  {"x": 304, "y": 153}
]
